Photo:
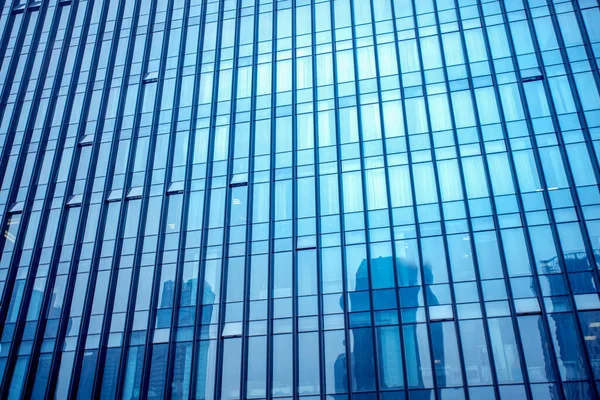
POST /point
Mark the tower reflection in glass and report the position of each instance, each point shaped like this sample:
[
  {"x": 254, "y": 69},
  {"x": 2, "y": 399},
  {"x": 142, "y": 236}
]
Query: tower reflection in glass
[{"x": 299, "y": 199}]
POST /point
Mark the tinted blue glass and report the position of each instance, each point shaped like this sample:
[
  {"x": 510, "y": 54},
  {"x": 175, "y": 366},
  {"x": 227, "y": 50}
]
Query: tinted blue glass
[
  {"x": 87, "y": 381},
  {"x": 445, "y": 352},
  {"x": 110, "y": 375},
  {"x": 362, "y": 353},
  {"x": 308, "y": 365},
  {"x": 473, "y": 340},
  {"x": 390, "y": 362},
  {"x": 255, "y": 199},
  {"x": 336, "y": 370},
  {"x": 569, "y": 352},
  {"x": 418, "y": 360},
  {"x": 589, "y": 326},
  {"x": 535, "y": 342}
]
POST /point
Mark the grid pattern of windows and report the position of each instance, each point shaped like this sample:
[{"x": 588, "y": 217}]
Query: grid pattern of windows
[{"x": 314, "y": 199}]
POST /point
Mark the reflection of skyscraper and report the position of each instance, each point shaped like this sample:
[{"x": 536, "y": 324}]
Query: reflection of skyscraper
[
  {"x": 361, "y": 349},
  {"x": 283, "y": 135},
  {"x": 163, "y": 319},
  {"x": 341, "y": 377},
  {"x": 187, "y": 291},
  {"x": 206, "y": 350},
  {"x": 361, "y": 339},
  {"x": 561, "y": 325}
]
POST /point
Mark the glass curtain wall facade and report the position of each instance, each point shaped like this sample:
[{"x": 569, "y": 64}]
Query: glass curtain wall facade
[{"x": 300, "y": 199}]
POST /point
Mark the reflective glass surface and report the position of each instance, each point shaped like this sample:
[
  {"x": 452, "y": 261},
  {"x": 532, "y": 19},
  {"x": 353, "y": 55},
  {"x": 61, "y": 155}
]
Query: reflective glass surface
[{"x": 313, "y": 199}]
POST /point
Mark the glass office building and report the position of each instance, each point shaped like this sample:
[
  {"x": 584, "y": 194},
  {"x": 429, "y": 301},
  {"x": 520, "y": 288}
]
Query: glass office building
[{"x": 300, "y": 199}]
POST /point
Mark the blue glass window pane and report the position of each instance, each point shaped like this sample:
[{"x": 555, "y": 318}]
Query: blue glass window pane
[
  {"x": 362, "y": 356},
  {"x": 578, "y": 390},
  {"x": 206, "y": 369},
  {"x": 477, "y": 362},
  {"x": 16, "y": 385},
  {"x": 336, "y": 369},
  {"x": 504, "y": 350},
  {"x": 308, "y": 363},
  {"x": 445, "y": 351},
  {"x": 512, "y": 392},
  {"x": 109, "y": 382},
  {"x": 182, "y": 371},
  {"x": 567, "y": 346},
  {"x": 434, "y": 260},
  {"x": 488, "y": 255},
  {"x": 535, "y": 349},
  {"x": 417, "y": 359},
  {"x": 282, "y": 365},
  {"x": 41, "y": 377},
  {"x": 517, "y": 257},
  {"x": 545, "y": 391},
  {"x": 158, "y": 371},
  {"x": 382, "y": 266},
  {"x": 390, "y": 358},
  {"x": 257, "y": 367},
  {"x": 482, "y": 392}
]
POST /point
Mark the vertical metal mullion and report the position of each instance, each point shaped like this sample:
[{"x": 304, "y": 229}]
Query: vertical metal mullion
[
  {"x": 572, "y": 187},
  {"x": 5, "y": 37},
  {"x": 17, "y": 335},
  {"x": 248, "y": 258},
  {"x": 595, "y": 70},
  {"x": 5, "y": 151},
  {"x": 341, "y": 199},
  {"x": 272, "y": 156},
  {"x": 444, "y": 237},
  {"x": 152, "y": 312},
  {"x": 104, "y": 333},
  {"x": 580, "y": 114},
  {"x": 387, "y": 177},
  {"x": 14, "y": 59},
  {"x": 294, "y": 116},
  {"x": 199, "y": 291},
  {"x": 3, "y": 18},
  {"x": 227, "y": 207},
  {"x": 207, "y": 195},
  {"x": 552, "y": 224},
  {"x": 489, "y": 190},
  {"x": 48, "y": 199},
  {"x": 572, "y": 85},
  {"x": 568, "y": 171},
  {"x": 506, "y": 277},
  {"x": 561, "y": 145},
  {"x": 165, "y": 206},
  {"x": 172, "y": 345},
  {"x": 414, "y": 206},
  {"x": 465, "y": 200},
  {"x": 144, "y": 206},
  {"x": 51, "y": 383},
  {"x": 90, "y": 294},
  {"x": 72, "y": 274},
  {"x": 320, "y": 314},
  {"x": 363, "y": 175},
  {"x": 5, "y": 296},
  {"x": 250, "y": 200}
]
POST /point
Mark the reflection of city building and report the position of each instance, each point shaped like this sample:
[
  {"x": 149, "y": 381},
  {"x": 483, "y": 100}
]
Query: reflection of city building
[
  {"x": 577, "y": 261},
  {"x": 317, "y": 162},
  {"x": 362, "y": 344},
  {"x": 204, "y": 351}
]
